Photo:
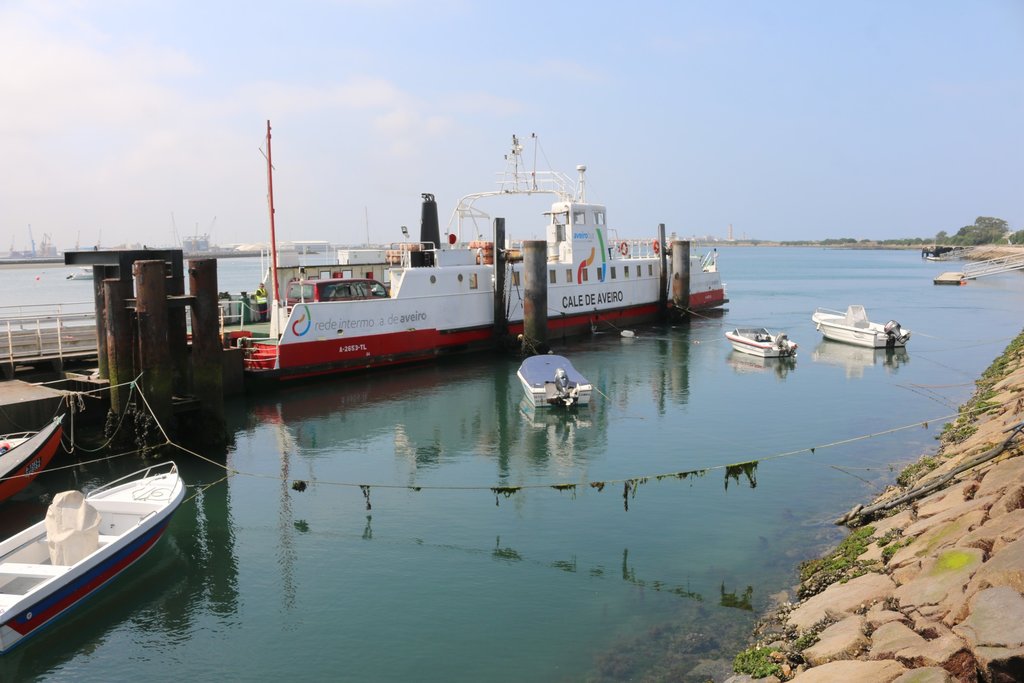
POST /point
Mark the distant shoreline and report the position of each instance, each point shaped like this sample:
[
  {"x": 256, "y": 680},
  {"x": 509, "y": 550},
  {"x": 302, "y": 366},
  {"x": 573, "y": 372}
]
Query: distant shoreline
[{"x": 979, "y": 252}]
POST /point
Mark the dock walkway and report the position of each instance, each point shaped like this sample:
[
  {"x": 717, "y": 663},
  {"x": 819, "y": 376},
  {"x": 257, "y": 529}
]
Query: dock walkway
[{"x": 977, "y": 269}]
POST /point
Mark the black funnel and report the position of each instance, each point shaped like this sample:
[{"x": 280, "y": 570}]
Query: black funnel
[{"x": 430, "y": 233}]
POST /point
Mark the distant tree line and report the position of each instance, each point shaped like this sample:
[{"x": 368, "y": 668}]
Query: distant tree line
[{"x": 985, "y": 230}]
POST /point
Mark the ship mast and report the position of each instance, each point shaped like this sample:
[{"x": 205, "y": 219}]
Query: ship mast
[{"x": 273, "y": 237}]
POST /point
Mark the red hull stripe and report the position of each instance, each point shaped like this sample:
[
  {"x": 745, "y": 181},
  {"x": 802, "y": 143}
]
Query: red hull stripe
[
  {"x": 17, "y": 480},
  {"x": 42, "y": 612},
  {"x": 308, "y": 359}
]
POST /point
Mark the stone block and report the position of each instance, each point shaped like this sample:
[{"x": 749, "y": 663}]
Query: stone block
[
  {"x": 883, "y": 671},
  {"x": 842, "y": 640},
  {"x": 842, "y": 598}
]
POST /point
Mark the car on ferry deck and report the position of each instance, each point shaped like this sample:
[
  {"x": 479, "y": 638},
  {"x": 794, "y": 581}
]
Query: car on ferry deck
[{"x": 334, "y": 289}]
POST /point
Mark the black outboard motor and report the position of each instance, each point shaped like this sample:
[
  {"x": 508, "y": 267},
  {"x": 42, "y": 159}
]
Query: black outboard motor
[
  {"x": 894, "y": 333},
  {"x": 430, "y": 233}
]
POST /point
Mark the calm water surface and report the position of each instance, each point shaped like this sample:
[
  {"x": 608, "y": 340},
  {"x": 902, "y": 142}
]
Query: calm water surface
[{"x": 452, "y": 582}]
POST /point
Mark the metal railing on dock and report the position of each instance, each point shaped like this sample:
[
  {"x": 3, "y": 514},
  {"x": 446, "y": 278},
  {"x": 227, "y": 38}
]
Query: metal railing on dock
[
  {"x": 977, "y": 269},
  {"x": 37, "y": 333},
  {"x": 44, "y": 332}
]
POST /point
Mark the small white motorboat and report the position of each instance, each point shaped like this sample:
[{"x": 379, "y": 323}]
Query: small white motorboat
[
  {"x": 83, "y": 273},
  {"x": 552, "y": 380},
  {"x": 853, "y": 327},
  {"x": 757, "y": 341},
  {"x": 84, "y": 542}
]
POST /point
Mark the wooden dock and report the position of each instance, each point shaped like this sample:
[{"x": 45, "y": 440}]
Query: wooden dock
[
  {"x": 25, "y": 406},
  {"x": 953, "y": 278}
]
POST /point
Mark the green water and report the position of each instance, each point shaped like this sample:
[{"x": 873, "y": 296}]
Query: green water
[{"x": 453, "y": 582}]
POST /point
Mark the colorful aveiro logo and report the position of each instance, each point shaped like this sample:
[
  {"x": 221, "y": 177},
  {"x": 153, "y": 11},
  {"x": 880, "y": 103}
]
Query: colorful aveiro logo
[
  {"x": 586, "y": 263},
  {"x": 303, "y": 319}
]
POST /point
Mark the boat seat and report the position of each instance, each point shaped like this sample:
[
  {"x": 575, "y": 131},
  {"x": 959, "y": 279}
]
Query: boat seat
[{"x": 22, "y": 569}]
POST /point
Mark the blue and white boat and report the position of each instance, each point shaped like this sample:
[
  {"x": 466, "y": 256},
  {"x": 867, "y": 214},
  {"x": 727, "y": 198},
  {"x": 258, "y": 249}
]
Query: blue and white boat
[
  {"x": 83, "y": 543},
  {"x": 551, "y": 380}
]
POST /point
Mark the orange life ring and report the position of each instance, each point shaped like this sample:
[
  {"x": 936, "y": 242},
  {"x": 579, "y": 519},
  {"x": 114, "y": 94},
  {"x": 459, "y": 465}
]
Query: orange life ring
[
  {"x": 657, "y": 246},
  {"x": 624, "y": 248}
]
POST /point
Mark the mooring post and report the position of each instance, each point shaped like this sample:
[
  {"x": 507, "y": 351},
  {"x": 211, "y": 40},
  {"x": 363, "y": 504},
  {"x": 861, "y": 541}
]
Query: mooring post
[
  {"x": 681, "y": 276},
  {"x": 177, "y": 331},
  {"x": 535, "y": 294},
  {"x": 662, "y": 274},
  {"x": 500, "y": 257},
  {"x": 100, "y": 307},
  {"x": 120, "y": 359},
  {"x": 154, "y": 351},
  {"x": 207, "y": 372}
]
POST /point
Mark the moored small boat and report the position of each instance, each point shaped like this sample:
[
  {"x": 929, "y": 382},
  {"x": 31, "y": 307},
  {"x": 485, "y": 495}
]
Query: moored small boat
[
  {"x": 84, "y": 542},
  {"x": 24, "y": 455},
  {"x": 757, "y": 341},
  {"x": 854, "y": 327},
  {"x": 552, "y": 380}
]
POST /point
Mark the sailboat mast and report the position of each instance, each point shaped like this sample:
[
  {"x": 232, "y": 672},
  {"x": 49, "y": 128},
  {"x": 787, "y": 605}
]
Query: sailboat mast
[{"x": 273, "y": 235}]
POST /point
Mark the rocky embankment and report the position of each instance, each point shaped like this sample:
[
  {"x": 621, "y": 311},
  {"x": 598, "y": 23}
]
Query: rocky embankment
[{"x": 929, "y": 585}]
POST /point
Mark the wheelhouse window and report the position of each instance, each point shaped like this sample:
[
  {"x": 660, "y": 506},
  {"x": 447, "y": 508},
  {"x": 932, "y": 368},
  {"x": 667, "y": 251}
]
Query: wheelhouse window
[
  {"x": 552, "y": 277},
  {"x": 613, "y": 272},
  {"x": 586, "y": 274},
  {"x": 599, "y": 217},
  {"x": 579, "y": 217},
  {"x": 650, "y": 269},
  {"x": 568, "y": 275},
  {"x": 625, "y": 271}
]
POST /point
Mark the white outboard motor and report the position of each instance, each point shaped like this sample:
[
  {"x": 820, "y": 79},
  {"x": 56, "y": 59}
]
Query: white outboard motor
[
  {"x": 563, "y": 393},
  {"x": 784, "y": 345},
  {"x": 894, "y": 334}
]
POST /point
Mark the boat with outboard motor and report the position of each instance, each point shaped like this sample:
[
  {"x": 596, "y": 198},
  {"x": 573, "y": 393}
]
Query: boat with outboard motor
[
  {"x": 84, "y": 542},
  {"x": 757, "y": 341},
  {"x": 854, "y": 327},
  {"x": 451, "y": 294},
  {"x": 551, "y": 380}
]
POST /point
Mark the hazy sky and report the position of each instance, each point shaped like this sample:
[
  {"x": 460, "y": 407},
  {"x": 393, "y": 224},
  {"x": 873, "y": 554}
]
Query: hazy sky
[{"x": 120, "y": 120}]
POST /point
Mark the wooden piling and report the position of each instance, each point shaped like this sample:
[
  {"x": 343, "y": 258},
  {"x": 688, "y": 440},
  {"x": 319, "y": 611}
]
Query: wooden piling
[
  {"x": 662, "y": 274},
  {"x": 120, "y": 356},
  {"x": 681, "y": 276},
  {"x": 535, "y": 295},
  {"x": 207, "y": 371},
  {"x": 154, "y": 350},
  {"x": 177, "y": 334},
  {"x": 500, "y": 322},
  {"x": 100, "y": 308}
]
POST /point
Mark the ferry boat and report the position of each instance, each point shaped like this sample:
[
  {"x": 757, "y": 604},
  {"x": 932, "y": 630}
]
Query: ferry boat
[{"x": 442, "y": 297}]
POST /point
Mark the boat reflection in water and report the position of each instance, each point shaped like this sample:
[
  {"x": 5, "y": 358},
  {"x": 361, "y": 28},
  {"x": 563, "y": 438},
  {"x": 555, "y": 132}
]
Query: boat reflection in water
[
  {"x": 856, "y": 358},
  {"x": 744, "y": 363}
]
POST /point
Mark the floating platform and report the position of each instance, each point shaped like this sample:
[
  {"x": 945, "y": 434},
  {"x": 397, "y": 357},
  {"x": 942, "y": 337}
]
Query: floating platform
[{"x": 949, "y": 279}]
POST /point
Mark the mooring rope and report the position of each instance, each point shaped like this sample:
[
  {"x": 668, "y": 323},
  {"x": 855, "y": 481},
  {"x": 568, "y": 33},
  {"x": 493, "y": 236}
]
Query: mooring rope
[{"x": 629, "y": 484}]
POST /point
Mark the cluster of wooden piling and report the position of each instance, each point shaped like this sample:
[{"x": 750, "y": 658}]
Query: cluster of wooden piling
[{"x": 142, "y": 331}]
